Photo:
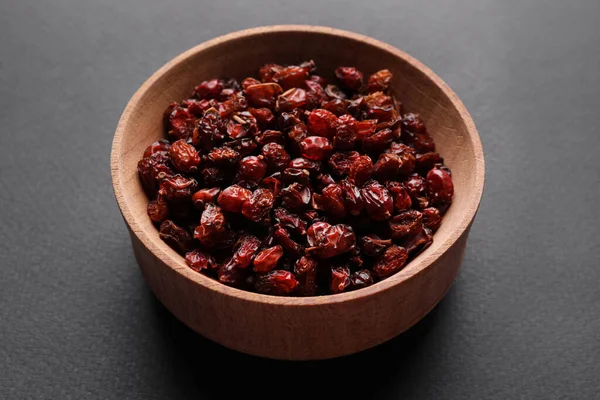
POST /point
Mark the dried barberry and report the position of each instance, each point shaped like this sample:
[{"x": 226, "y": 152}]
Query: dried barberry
[
  {"x": 273, "y": 234},
  {"x": 391, "y": 261},
  {"x": 276, "y": 282}
]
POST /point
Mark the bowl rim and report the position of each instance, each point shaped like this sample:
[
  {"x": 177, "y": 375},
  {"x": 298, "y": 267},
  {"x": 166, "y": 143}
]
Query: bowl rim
[{"x": 176, "y": 262}]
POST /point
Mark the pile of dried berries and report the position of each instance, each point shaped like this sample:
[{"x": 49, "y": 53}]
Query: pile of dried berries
[{"x": 290, "y": 185}]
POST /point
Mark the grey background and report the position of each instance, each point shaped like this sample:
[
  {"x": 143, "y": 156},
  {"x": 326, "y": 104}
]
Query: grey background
[{"x": 521, "y": 321}]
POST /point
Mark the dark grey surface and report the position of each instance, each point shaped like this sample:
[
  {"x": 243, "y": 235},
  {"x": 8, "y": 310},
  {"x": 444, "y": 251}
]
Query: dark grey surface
[{"x": 522, "y": 320}]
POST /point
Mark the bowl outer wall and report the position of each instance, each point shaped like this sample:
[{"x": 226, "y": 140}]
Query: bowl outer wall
[{"x": 314, "y": 327}]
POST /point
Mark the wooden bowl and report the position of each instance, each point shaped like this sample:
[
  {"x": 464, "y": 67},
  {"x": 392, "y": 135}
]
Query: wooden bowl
[{"x": 310, "y": 327}]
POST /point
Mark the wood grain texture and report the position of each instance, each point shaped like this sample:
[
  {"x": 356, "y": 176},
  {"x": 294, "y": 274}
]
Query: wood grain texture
[{"x": 313, "y": 327}]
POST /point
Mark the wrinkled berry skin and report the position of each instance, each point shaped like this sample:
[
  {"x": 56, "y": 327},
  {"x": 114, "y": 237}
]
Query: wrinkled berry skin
[
  {"x": 278, "y": 282},
  {"x": 267, "y": 259},
  {"x": 439, "y": 186},
  {"x": 233, "y": 198},
  {"x": 378, "y": 201},
  {"x": 160, "y": 146},
  {"x": 285, "y": 183},
  {"x": 380, "y": 81},
  {"x": 316, "y": 148},
  {"x": 391, "y": 261},
  {"x": 252, "y": 169},
  {"x": 258, "y": 206},
  {"x": 322, "y": 123},
  {"x": 175, "y": 236},
  {"x": 199, "y": 260},
  {"x": 361, "y": 279},
  {"x": 349, "y": 77},
  {"x": 328, "y": 241},
  {"x": 204, "y": 196},
  {"x": 184, "y": 156},
  {"x": 295, "y": 197},
  {"x": 340, "y": 279}
]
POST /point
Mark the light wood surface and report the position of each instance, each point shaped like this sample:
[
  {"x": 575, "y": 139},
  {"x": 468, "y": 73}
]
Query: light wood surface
[{"x": 312, "y": 327}]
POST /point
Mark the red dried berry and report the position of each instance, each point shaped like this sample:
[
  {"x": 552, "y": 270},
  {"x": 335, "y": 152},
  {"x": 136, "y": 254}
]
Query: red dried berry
[
  {"x": 313, "y": 167},
  {"x": 246, "y": 249},
  {"x": 291, "y": 175},
  {"x": 276, "y": 157},
  {"x": 353, "y": 202},
  {"x": 242, "y": 124},
  {"x": 160, "y": 146},
  {"x": 361, "y": 170},
  {"x": 350, "y": 77},
  {"x": 361, "y": 279},
  {"x": 328, "y": 241},
  {"x": 335, "y": 106},
  {"x": 258, "y": 206},
  {"x": 316, "y": 148},
  {"x": 380, "y": 81},
  {"x": 305, "y": 269},
  {"x": 401, "y": 197},
  {"x": 415, "y": 134},
  {"x": 178, "y": 187},
  {"x": 290, "y": 222},
  {"x": 184, "y": 156},
  {"x": 427, "y": 161},
  {"x": 415, "y": 186},
  {"x": 432, "y": 218},
  {"x": 346, "y": 132},
  {"x": 196, "y": 107},
  {"x": 387, "y": 166},
  {"x": 180, "y": 123},
  {"x": 439, "y": 186},
  {"x": 224, "y": 157},
  {"x": 267, "y": 71},
  {"x": 252, "y": 169},
  {"x": 296, "y": 197},
  {"x": 322, "y": 123},
  {"x": 340, "y": 279},
  {"x": 406, "y": 224},
  {"x": 209, "y": 89},
  {"x": 205, "y": 196},
  {"x": 291, "y": 99},
  {"x": 331, "y": 201},
  {"x": 391, "y": 261},
  {"x": 263, "y": 95},
  {"x": 270, "y": 136},
  {"x": 175, "y": 236},
  {"x": 267, "y": 259},
  {"x": 152, "y": 170},
  {"x": 373, "y": 245},
  {"x": 378, "y": 201},
  {"x": 291, "y": 77},
  {"x": 264, "y": 116},
  {"x": 366, "y": 128},
  {"x": 200, "y": 261},
  {"x": 158, "y": 210},
  {"x": 244, "y": 147},
  {"x": 231, "y": 275},
  {"x": 341, "y": 162},
  {"x": 249, "y": 82},
  {"x": 278, "y": 282},
  {"x": 406, "y": 155},
  {"x": 209, "y": 131},
  {"x": 233, "y": 198},
  {"x": 272, "y": 184},
  {"x": 378, "y": 142}
]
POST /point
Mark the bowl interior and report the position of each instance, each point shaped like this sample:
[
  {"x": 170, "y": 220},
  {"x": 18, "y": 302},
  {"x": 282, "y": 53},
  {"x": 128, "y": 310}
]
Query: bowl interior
[{"x": 240, "y": 55}]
